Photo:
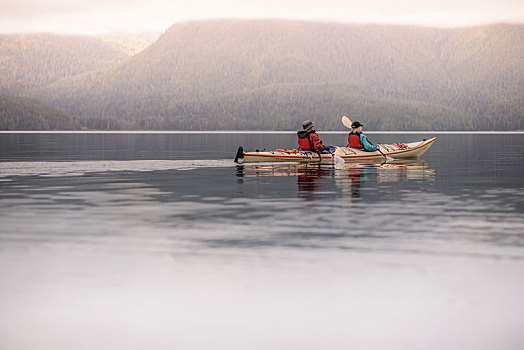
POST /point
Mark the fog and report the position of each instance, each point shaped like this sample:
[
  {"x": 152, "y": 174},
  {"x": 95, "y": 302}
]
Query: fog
[{"x": 98, "y": 17}]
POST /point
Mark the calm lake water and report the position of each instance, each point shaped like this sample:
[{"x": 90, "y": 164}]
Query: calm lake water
[{"x": 160, "y": 241}]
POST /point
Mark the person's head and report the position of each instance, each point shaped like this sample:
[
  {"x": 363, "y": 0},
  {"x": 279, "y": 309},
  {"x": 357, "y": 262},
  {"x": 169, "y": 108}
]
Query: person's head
[
  {"x": 308, "y": 125},
  {"x": 356, "y": 127}
]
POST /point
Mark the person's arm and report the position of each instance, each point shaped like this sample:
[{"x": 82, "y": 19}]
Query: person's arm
[
  {"x": 317, "y": 144},
  {"x": 366, "y": 145}
]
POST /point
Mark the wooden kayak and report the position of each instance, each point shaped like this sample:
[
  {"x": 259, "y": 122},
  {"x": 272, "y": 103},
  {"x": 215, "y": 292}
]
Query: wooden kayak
[{"x": 395, "y": 150}]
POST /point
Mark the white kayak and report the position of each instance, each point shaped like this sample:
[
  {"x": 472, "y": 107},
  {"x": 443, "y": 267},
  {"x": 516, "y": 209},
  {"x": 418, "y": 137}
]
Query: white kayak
[{"x": 394, "y": 150}]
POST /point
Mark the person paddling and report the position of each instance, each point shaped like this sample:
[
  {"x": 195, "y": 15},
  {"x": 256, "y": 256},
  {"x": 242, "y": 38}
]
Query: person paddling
[
  {"x": 356, "y": 139},
  {"x": 308, "y": 139}
]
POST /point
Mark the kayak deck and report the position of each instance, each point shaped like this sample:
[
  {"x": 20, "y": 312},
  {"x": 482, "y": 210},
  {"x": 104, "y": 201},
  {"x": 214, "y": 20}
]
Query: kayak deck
[{"x": 397, "y": 150}]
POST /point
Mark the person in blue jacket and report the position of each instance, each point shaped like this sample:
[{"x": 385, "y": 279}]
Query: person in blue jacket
[{"x": 356, "y": 139}]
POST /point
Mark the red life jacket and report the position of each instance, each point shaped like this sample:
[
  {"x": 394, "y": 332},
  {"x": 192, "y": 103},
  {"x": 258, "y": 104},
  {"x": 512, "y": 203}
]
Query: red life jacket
[
  {"x": 354, "y": 140},
  {"x": 304, "y": 142}
]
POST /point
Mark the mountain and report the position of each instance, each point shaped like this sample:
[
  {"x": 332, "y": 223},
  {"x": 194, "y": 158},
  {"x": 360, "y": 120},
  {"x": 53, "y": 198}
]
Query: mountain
[
  {"x": 34, "y": 61},
  {"x": 20, "y": 113},
  {"x": 272, "y": 74},
  {"x": 31, "y": 63}
]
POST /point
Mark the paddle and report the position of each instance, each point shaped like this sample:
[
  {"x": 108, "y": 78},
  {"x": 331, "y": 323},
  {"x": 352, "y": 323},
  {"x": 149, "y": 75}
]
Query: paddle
[
  {"x": 389, "y": 158},
  {"x": 347, "y": 123}
]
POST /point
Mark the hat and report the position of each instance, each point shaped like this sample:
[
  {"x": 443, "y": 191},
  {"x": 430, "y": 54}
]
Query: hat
[
  {"x": 356, "y": 124},
  {"x": 307, "y": 124}
]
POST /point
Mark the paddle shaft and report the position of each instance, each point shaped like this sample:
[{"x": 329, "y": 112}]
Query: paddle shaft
[
  {"x": 381, "y": 153},
  {"x": 378, "y": 149}
]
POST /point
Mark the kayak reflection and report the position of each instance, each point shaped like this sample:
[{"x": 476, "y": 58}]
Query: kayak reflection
[{"x": 348, "y": 177}]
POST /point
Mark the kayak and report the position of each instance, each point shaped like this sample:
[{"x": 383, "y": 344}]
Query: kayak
[{"x": 394, "y": 150}]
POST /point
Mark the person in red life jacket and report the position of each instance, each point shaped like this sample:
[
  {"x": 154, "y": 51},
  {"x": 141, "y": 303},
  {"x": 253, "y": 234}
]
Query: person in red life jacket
[
  {"x": 356, "y": 139},
  {"x": 308, "y": 139}
]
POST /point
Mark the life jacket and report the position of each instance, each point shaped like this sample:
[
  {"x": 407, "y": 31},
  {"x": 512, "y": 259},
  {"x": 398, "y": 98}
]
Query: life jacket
[
  {"x": 354, "y": 140},
  {"x": 304, "y": 141}
]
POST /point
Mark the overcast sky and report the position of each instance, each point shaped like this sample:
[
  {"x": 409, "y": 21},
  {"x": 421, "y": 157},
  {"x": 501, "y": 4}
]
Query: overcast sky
[{"x": 104, "y": 16}]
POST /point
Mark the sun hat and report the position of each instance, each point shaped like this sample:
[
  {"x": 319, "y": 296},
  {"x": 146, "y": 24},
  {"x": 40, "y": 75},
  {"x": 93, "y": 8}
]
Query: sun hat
[{"x": 307, "y": 124}]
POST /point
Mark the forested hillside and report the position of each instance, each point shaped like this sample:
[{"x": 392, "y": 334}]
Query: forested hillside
[
  {"x": 272, "y": 74},
  {"x": 33, "y": 61},
  {"x": 20, "y": 113}
]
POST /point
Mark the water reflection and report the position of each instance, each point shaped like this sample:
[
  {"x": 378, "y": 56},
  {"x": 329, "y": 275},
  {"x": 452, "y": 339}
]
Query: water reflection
[
  {"x": 348, "y": 177},
  {"x": 162, "y": 245}
]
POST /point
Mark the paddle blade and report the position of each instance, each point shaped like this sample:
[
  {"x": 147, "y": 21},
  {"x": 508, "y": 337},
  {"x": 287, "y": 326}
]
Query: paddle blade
[{"x": 346, "y": 121}]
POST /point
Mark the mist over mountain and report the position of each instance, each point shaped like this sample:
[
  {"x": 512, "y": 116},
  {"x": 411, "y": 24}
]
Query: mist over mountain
[
  {"x": 130, "y": 44},
  {"x": 272, "y": 74}
]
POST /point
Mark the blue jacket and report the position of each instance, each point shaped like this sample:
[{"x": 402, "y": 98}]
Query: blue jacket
[{"x": 366, "y": 144}]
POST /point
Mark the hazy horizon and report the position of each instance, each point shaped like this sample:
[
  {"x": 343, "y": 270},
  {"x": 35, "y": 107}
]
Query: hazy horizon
[{"x": 154, "y": 16}]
